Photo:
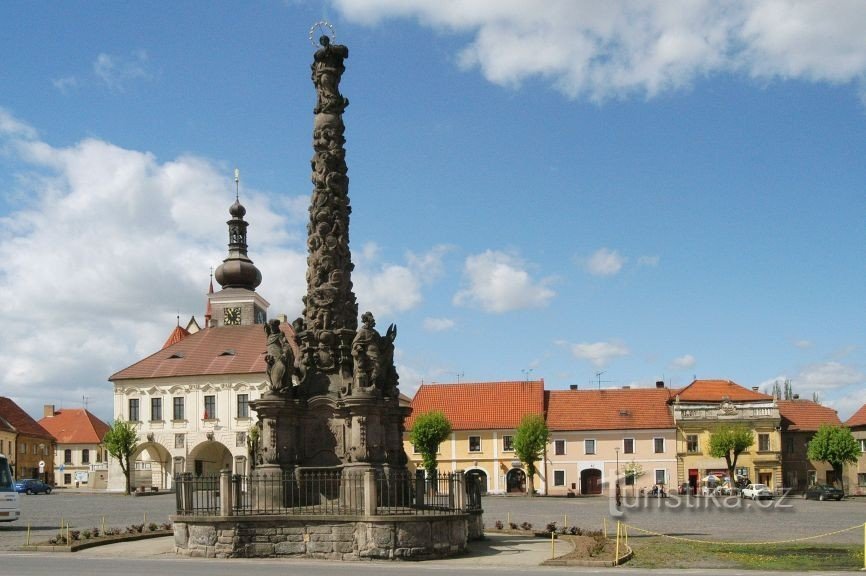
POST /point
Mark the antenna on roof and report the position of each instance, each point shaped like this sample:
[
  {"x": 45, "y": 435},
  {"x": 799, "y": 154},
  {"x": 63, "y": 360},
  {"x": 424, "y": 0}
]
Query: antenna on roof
[
  {"x": 459, "y": 376},
  {"x": 598, "y": 379},
  {"x": 526, "y": 373},
  {"x": 84, "y": 400}
]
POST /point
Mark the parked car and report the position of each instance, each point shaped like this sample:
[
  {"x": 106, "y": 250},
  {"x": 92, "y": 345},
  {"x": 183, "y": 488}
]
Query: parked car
[
  {"x": 823, "y": 492},
  {"x": 32, "y": 486},
  {"x": 757, "y": 492}
]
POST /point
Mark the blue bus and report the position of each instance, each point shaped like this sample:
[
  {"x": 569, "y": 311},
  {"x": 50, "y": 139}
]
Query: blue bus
[{"x": 9, "y": 507}]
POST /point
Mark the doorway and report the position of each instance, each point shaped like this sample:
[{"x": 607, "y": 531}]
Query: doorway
[
  {"x": 515, "y": 481},
  {"x": 590, "y": 481}
]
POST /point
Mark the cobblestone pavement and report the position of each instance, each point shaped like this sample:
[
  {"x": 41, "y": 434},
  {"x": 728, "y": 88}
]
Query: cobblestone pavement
[
  {"x": 699, "y": 518},
  {"x": 719, "y": 519}
]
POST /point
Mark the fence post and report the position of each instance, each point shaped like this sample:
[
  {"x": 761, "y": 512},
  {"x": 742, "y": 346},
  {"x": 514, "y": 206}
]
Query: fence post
[
  {"x": 459, "y": 482},
  {"x": 420, "y": 488},
  {"x": 226, "y": 492},
  {"x": 186, "y": 483},
  {"x": 370, "y": 492}
]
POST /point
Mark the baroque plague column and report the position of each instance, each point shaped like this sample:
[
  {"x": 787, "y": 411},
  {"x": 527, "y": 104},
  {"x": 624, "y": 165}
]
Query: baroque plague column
[{"x": 333, "y": 401}]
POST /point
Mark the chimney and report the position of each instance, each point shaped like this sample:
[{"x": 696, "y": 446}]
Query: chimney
[
  {"x": 796, "y": 396},
  {"x": 660, "y": 383},
  {"x": 572, "y": 387},
  {"x": 47, "y": 410},
  {"x": 626, "y": 387},
  {"x": 754, "y": 388}
]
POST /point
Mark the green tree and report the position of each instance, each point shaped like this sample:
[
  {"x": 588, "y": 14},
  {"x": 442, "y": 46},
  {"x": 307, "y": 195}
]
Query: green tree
[
  {"x": 836, "y": 446},
  {"x": 633, "y": 472},
  {"x": 428, "y": 431},
  {"x": 121, "y": 440},
  {"x": 729, "y": 442},
  {"x": 530, "y": 439}
]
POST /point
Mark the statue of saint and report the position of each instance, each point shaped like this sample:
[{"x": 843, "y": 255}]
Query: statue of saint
[
  {"x": 279, "y": 358},
  {"x": 365, "y": 352}
]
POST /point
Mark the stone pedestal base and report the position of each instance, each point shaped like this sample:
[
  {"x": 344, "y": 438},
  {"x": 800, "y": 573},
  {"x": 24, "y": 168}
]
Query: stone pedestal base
[{"x": 330, "y": 538}]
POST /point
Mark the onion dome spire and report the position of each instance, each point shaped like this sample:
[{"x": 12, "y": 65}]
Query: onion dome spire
[{"x": 237, "y": 270}]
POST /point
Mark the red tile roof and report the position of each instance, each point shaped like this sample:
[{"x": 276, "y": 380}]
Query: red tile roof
[
  {"x": 480, "y": 405},
  {"x": 176, "y": 336},
  {"x": 218, "y": 350},
  {"x": 75, "y": 426},
  {"x": 612, "y": 409},
  {"x": 718, "y": 390},
  {"x": 805, "y": 415},
  {"x": 858, "y": 419},
  {"x": 20, "y": 420}
]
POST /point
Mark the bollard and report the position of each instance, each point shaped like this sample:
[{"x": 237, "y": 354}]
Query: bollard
[
  {"x": 564, "y": 521},
  {"x": 604, "y": 525},
  {"x": 28, "y": 533},
  {"x": 103, "y": 525},
  {"x": 552, "y": 545},
  {"x": 509, "y": 520},
  {"x": 864, "y": 545},
  {"x": 616, "y": 555},
  {"x": 225, "y": 487}
]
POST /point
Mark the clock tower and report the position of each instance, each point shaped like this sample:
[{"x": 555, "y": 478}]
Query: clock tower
[{"x": 237, "y": 304}]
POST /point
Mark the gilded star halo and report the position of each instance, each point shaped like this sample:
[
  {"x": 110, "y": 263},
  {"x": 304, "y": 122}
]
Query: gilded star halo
[{"x": 324, "y": 28}]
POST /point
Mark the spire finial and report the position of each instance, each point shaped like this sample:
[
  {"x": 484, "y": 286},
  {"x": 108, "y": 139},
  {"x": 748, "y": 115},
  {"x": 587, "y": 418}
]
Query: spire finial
[{"x": 237, "y": 184}]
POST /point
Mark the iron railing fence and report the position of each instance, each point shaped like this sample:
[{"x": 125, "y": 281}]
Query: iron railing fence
[{"x": 327, "y": 492}]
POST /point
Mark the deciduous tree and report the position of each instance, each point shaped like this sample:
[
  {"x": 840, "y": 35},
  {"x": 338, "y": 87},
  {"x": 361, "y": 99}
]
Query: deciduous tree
[
  {"x": 728, "y": 442},
  {"x": 836, "y": 446},
  {"x": 428, "y": 431},
  {"x": 530, "y": 439},
  {"x": 121, "y": 440}
]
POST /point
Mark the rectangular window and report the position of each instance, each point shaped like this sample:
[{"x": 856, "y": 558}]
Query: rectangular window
[
  {"x": 178, "y": 413},
  {"x": 133, "y": 409},
  {"x": 67, "y": 478},
  {"x": 179, "y": 440},
  {"x": 508, "y": 443},
  {"x": 629, "y": 477},
  {"x": 863, "y": 445},
  {"x": 156, "y": 409},
  {"x": 240, "y": 439},
  {"x": 22, "y": 448},
  {"x": 811, "y": 477},
  {"x": 661, "y": 476},
  {"x": 861, "y": 479},
  {"x": 243, "y": 406},
  {"x": 692, "y": 443},
  {"x": 85, "y": 456},
  {"x": 559, "y": 447},
  {"x": 559, "y": 477},
  {"x": 209, "y": 407},
  {"x": 659, "y": 445},
  {"x": 789, "y": 445},
  {"x": 475, "y": 443},
  {"x": 98, "y": 455},
  {"x": 763, "y": 442},
  {"x": 35, "y": 450},
  {"x": 67, "y": 456},
  {"x": 415, "y": 449},
  {"x": 742, "y": 472},
  {"x": 589, "y": 446},
  {"x": 628, "y": 445}
]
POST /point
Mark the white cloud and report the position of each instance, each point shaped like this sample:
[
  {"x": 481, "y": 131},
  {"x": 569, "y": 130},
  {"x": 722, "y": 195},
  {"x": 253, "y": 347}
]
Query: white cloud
[
  {"x": 802, "y": 344},
  {"x": 117, "y": 71},
  {"x": 438, "y": 324},
  {"x": 498, "y": 282},
  {"x": 602, "y": 50},
  {"x": 386, "y": 288},
  {"x": 66, "y": 84},
  {"x": 828, "y": 376},
  {"x": 684, "y": 362},
  {"x": 605, "y": 262},
  {"x": 599, "y": 353},
  {"x": 110, "y": 245}
]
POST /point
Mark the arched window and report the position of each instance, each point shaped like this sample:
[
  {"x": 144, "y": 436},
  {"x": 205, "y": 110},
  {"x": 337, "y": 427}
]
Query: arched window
[
  {"x": 85, "y": 456},
  {"x": 67, "y": 456}
]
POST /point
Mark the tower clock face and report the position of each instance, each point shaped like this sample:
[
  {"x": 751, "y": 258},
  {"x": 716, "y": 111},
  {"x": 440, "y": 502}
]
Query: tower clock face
[{"x": 232, "y": 316}]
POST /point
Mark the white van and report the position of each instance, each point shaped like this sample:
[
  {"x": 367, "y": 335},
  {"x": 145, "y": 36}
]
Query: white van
[{"x": 9, "y": 508}]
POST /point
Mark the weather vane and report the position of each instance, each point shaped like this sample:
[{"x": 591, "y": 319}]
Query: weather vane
[{"x": 325, "y": 29}]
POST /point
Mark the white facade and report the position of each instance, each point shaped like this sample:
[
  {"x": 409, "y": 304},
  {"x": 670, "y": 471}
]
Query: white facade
[{"x": 192, "y": 441}]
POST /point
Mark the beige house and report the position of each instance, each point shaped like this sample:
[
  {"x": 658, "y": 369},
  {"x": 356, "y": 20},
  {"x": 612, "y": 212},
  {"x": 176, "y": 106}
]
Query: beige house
[
  {"x": 601, "y": 436},
  {"x": 32, "y": 454},
  {"x": 856, "y": 473},
  {"x": 703, "y": 407},
  {"x": 483, "y": 417},
  {"x": 80, "y": 458}
]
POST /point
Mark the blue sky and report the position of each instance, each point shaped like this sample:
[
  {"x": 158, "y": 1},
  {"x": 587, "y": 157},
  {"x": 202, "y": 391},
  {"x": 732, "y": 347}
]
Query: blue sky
[{"x": 659, "y": 190}]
